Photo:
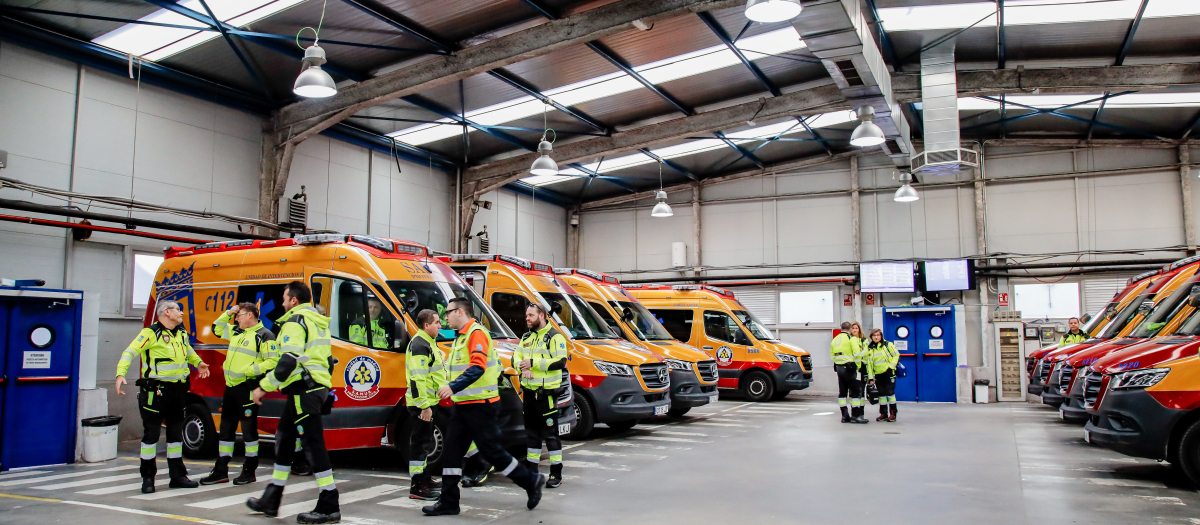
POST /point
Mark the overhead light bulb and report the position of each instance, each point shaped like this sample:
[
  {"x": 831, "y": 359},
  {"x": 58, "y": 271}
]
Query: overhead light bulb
[
  {"x": 767, "y": 11},
  {"x": 867, "y": 133},
  {"x": 906, "y": 193},
  {"x": 662, "y": 209},
  {"x": 314, "y": 82},
  {"x": 544, "y": 165}
]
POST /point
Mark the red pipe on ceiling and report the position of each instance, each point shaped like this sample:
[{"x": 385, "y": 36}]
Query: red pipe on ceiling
[{"x": 92, "y": 227}]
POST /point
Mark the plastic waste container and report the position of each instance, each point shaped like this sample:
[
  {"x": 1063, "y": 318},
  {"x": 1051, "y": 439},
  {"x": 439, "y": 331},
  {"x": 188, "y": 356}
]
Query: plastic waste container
[
  {"x": 100, "y": 438},
  {"x": 981, "y": 390}
]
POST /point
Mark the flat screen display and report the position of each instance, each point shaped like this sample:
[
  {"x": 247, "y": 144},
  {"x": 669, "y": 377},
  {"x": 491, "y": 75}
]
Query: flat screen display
[
  {"x": 886, "y": 277},
  {"x": 941, "y": 276}
]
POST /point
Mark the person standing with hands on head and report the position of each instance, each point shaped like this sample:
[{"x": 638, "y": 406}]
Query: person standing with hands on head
[
  {"x": 474, "y": 388},
  {"x": 302, "y": 372},
  {"x": 1073, "y": 335},
  {"x": 881, "y": 360},
  {"x": 541, "y": 357},
  {"x": 846, "y": 353},
  {"x": 251, "y": 347},
  {"x": 426, "y": 373},
  {"x": 165, "y": 354}
]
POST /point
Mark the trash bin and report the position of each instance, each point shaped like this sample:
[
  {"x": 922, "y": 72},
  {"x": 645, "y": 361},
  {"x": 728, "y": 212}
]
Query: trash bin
[
  {"x": 981, "y": 390},
  {"x": 100, "y": 438}
]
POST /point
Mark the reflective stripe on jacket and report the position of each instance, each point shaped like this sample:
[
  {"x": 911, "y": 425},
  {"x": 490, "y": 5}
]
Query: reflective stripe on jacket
[
  {"x": 881, "y": 357},
  {"x": 425, "y": 370},
  {"x": 248, "y": 349},
  {"x": 486, "y": 386},
  {"x": 304, "y": 333},
  {"x": 546, "y": 349},
  {"x": 165, "y": 354}
]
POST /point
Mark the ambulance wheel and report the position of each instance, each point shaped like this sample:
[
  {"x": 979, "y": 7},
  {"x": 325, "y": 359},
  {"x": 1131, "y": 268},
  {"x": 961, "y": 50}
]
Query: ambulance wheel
[
  {"x": 400, "y": 440},
  {"x": 757, "y": 387},
  {"x": 621, "y": 426},
  {"x": 678, "y": 412},
  {"x": 199, "y": 432},
  {"x": 1188, "y": 454},
  {"x": 585, "y": 418},
  {"x": 780, "y": 394}
]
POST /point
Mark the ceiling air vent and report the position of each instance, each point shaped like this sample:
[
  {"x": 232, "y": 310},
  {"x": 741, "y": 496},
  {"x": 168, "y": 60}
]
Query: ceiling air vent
[{"x": 849, "y": 73}]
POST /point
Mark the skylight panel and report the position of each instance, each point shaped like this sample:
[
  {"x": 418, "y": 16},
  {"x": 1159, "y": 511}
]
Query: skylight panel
[
  {"x": 1132, "y": 100},
  {"x": 1028, "y": 12},
  {"x": 157, "y": 43}
]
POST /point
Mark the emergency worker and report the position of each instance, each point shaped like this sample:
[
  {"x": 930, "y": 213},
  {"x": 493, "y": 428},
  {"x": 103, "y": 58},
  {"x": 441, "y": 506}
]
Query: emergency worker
[
  {"x": 846, "y": 352},
  {"x": 426, "y": 373},
  {"x": 541, "y": 357},
  {"x": 165, "y": 353},
  {"x": 370, "y": 333},
  {"x": 474, "y": 374},
  {"x": 1073, "y": 335},
  {"x": 251, "y": 346},
  {"x": 302, "y": 373},
  {"x": 881, "y": 362}
]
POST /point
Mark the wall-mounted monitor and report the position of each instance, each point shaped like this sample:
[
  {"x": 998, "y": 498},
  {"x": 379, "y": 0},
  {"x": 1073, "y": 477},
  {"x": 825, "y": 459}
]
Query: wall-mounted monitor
[
  {"x": 943, "y": 276},
  {"x": 886, "y": 277}
]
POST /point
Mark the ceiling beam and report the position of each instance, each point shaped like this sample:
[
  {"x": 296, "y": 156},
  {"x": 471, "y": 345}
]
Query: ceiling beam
[
  {"x": 307, "y": 117},
  {"x": 716, "y": 28},
  {"x": 1133, "y": 27},
  {"x": 907, "y": 87},
  {"x": 802, "y": 103}
]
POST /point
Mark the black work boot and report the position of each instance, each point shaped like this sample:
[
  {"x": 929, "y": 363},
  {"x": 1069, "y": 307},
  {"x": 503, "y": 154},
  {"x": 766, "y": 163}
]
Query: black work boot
[
  {"x": 883, "y": 413},
  {"x": 326, "y": 511},
  {"x": 184, "y": 483},
  {"x": 845, "y": 415},
  {"x": 555, "y": 479},
  {"x": 219, "y": 474},
  {"x": 478, "y": 474},
  {"x": 892, "y": 418},
  {"x": 535, "y": 492},
  {"x": 268, "y": 504},
  {"x": 247, "y": 476},
  {"x": 301, "y": 465},
  {"x": 440, "y": 509},
  {"x": 434, "y": 484},
  {"x": 147, "y": 485},
  {"x": 421, "y": 489}
]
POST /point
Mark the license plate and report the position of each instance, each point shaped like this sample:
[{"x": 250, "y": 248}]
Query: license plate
[
  {"x": 713, "y": 397},
  {"x": 564, "y": 429},
  {"x": 661, "y": 411},
  {"x": 1062, "y": 412},
  {"x": 1087, "y": 436}
]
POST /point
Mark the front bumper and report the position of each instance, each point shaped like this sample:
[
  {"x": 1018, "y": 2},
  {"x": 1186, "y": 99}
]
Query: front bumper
[
  {"x": 790, "y": 376},
  {"x": 620, "y": 398},
  {"x": 1049, "y": 397},
  {"x": 1071, "y": 408},
  {"x": 1034, "y": 388},
  {"x": 687, "y": 391},
  {"x": 1133, "y": 423}
]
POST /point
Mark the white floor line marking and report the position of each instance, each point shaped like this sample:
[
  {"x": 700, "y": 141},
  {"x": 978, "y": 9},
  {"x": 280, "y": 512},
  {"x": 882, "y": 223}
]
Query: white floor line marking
[
  {"x": 715, "y": 424},
  {"x": 175, "y": 493},
  {"x": 162, "y": 476},
  {"x": 613, "y": 454},
  {"x": 147, "y": 513},
  {"x": 737, "y": 407},
  {"x": 573, "y": 445},
  {"x": 640, "y": 445},
  {"x": 672, "y": 439},
  {"x": 1060, "y": 467},
  {"x": 388, "y": 476},
  {"x": 86, "y": 482},
  {"x": 1162, "y": 499},
  {"x": 63, "y": 476},
  {"x": 824, "y": 413},
  {"x": 1108, "y": 482},
  {"x": 241, "y": 498},
  {"x": 675, "y": 433},
  {"x": 590, "y": 464},
  {"x": 23, "y": 474},
  {"x": 345, "y": 498}
]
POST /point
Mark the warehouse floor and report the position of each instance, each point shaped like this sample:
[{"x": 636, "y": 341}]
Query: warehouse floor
[{"x": 731, "y": 462}]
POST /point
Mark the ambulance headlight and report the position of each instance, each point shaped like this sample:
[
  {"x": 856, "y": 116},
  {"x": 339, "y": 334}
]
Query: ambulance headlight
[
  {"x": 786, "y": 358},
  {"x": 675, "y": 364},
  {"x": 613, "y": 369},
  {"x": 1139, "y": 378}
]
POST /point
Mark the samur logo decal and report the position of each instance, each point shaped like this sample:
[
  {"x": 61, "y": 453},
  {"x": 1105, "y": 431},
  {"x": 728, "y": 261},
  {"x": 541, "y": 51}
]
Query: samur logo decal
[{"x": 362, "y": 378}]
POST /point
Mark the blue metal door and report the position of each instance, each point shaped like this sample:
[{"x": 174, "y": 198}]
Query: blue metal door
[
  {"x": 900, "y": 329},
  {"x": 935, "y": 340},
  {"x": 41, "y": 345}
]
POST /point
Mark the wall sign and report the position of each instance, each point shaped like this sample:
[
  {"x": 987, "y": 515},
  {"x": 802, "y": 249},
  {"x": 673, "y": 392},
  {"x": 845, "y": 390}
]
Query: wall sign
[
  {"x": 36, "y": 360},
  {"x": 869, "y": 299},
  {"x": 1004, "y": 299},
  {"x": 848, "y": 299}
]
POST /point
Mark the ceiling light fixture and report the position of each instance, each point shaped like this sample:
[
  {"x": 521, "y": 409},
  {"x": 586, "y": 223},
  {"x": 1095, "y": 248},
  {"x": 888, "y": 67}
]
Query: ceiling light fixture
[
  {"x": 906, "y": 193},
  {"x": 314, "y": 82},
  {"x": 767, "y": 11},
  {"x": 662, "y": 209},
  {"x": 867, "y": 133},
  {"x": 544, "y": 165}
]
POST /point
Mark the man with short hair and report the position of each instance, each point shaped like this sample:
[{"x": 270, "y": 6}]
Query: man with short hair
[
  {"x": 303, "y": 373},
  {"x": 845, "y": 351},
  {"x": 474, "y": 375},
  {"x": 541, "y": 357},
  {"x": 165, "y": 353},
  {"x": 369, "y": 332},
  {"x": 251, "y": 348},
  {"x": 426, "y": 373},
  {"x": 1073, "y": 335}
]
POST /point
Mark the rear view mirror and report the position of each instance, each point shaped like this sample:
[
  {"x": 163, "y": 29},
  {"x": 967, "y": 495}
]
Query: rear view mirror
[
  {"x": 556, "y": 308},
  {"x": 400, "y": 341},
  {"x": 1085, "y": 318},
  {"x": 1194, "y": 299},
  {"x": 1145, "y": 308},
  {"x": 627, "y": 315}
]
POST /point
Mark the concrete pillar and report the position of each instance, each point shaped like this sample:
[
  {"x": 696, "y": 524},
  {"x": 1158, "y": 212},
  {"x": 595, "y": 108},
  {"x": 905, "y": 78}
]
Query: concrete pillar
[
  {"x": 856, "y": 232},
  {"x": 696, "y": 228},
  {"x": 1189, "y": 227}
]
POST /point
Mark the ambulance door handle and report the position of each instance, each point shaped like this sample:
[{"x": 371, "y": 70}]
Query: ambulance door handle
[{"x": 708, "y": 348}]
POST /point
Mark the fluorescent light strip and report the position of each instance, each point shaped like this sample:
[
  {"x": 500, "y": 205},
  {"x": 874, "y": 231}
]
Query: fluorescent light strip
[
  {"x": 674, "y": 68},
  {"x": 1028, "y": 12},
  {"x": 156, "y": 43},
  {"x": 1132, "y": 100}
]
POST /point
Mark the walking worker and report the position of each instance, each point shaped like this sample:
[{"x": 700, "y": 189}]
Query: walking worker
[
  {"x": 1073, "y": 335},
  {"x": 165, "y": 353},
  {"x": 474, "y": 375},
  {"x": 541, "y": 357},
  {"x": 303, "y": 374},
  {"x": 251, "y": 348},
  {"x": 426, "y": 373},
  {"x": 846, "y": 353},
  {"x": 882, "y": 359}
]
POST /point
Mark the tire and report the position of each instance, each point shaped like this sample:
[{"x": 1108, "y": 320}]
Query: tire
[
  {"x": 621, "y": 426},
  {"x": 780, "y": 394},
  {"x": 199, "y": 432},
  {"x": 678, "y": 412},
  {"x": 756, "y": 386},
  {"x": 585, "y": 418},
  {"x": 400, "y": 440},
  {"x": 1188, "y": 453}
]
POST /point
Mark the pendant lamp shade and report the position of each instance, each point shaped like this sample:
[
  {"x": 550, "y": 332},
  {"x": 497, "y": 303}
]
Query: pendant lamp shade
[
  {"x": 906, "y": 193},
  {"x": 766, "y": 11},
  {"x": 662, "y": 209},
  {"x": 544, "y": 165},
  {"x": 313, "y": 81},
  {"x": 867, "y": 133}
]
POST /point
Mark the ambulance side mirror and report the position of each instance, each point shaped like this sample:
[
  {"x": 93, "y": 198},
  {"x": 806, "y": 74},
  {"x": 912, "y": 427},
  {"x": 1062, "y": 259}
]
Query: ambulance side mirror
[
  {"x": 1194, "y": 299},
  {"x": 556, "y": 308},
  {"x": 400, "y": 341},
  {"x": 627, "y": 315},
  {"x": 1085, "y": 318}
]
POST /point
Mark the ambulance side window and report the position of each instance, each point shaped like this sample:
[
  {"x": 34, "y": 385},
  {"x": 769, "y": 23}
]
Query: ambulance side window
[
  {"x": 722, "y": 327},
  {"x": 511, "y": 309},
  {"x": 355, "y": 313},
  {"x": 677, "y": 322},
  {"x": 269, "y": 299},
  {"x": 608, "y": 318}
]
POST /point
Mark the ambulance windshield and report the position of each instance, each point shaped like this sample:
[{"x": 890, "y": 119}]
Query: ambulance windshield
[
  {"x": 643, "y": 323},
  {"x": 1162, "y": 313},
  {"x": 575, "y": 316},
  {"x": 756, "y": 327},
  {"x": 418, "y": 295}
]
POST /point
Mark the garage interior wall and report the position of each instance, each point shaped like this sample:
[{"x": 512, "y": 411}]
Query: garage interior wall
[
  {"x": 754, "y": 221},
  {"x": 171, "y": 149}
]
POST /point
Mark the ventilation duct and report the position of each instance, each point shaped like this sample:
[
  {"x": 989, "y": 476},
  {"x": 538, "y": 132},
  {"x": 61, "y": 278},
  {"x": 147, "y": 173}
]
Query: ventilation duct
[{"x": 939, "y": 108}]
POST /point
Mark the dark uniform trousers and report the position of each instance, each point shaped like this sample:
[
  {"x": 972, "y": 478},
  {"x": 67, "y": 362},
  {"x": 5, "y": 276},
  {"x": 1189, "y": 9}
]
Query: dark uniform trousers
[
  {"x": 541, "y": 425},
  {"x": 302, "y": 419},
  {"x": 849, "y": 386},
  {"x": 477, "y": 422},
  {"x": 162, "y": 402},
  {"x": 420, "y": 442},
  {"x": 886, "y": 382},
  {"x": 237, "y": 405}
]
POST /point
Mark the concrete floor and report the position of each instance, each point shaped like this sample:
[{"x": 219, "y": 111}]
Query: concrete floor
[{"x": 731, "y": 462}]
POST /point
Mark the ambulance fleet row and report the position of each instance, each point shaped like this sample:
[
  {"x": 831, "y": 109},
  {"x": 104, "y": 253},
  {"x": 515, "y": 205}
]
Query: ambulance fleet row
[
  {"x": 635, "y": 352},
  {"x": 1135, "y": 382}
]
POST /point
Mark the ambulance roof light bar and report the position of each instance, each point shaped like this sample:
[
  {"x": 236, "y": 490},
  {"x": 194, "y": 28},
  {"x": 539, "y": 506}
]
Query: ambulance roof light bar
[
  {"x": 698, "y": 287},
  {"x": 1141, "y": 276},
  {"x": 321, "y": 238},
  {"x": 1181, "y": 263}
]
